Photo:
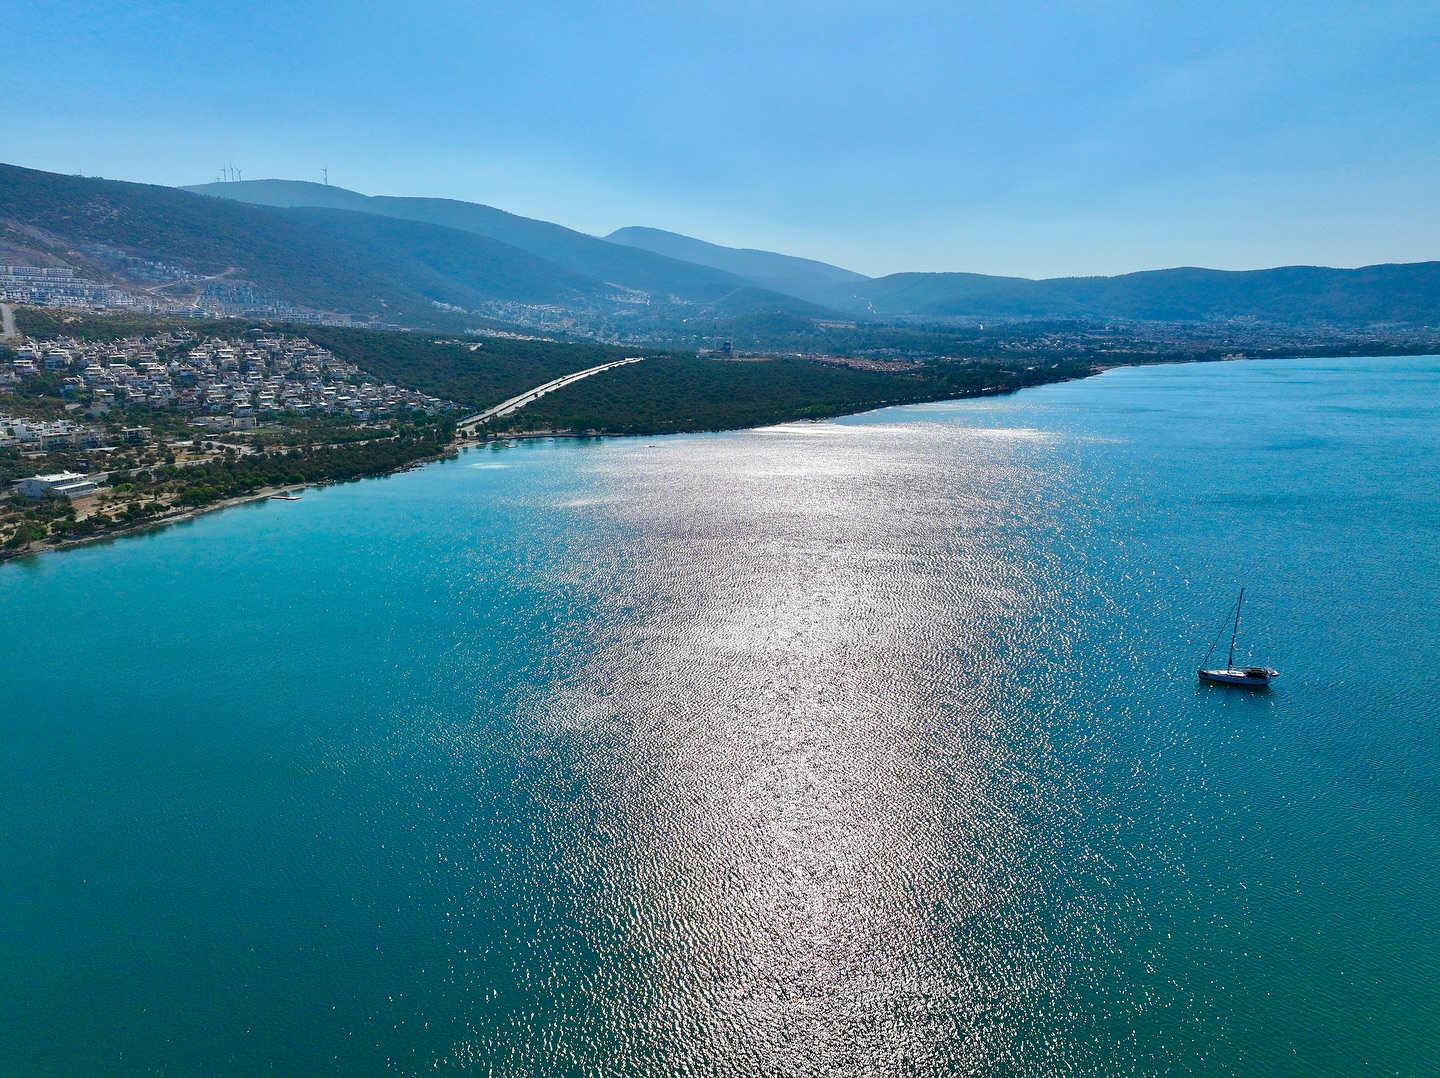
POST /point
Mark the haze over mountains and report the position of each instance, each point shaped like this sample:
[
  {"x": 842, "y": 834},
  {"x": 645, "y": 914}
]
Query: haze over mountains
[
  {"x": 1408, "y": 293},
  {"x": 419, "y": 260},
  {"x": 368, "y": 265},
  {"x": 804, "y": 277},
  {"x": 1395, "y": 293},
  {"x": 329, "y": 260},
  {"x": 605, "y": 262}
]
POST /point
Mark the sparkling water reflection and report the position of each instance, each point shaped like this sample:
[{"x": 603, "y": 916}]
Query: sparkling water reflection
[{"x": 798, "y": 802}]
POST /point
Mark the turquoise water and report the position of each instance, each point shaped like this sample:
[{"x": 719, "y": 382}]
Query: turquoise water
[{"x": 863, "y": 747}]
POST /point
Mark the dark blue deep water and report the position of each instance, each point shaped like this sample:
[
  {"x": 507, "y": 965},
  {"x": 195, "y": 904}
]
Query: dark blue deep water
[{"x": 862, "y": 747}]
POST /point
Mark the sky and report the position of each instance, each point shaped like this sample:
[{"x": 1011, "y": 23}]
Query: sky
[{"x": 1021, "y": 137}]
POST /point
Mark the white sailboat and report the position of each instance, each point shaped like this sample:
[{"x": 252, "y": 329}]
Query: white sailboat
[{"x": 1231, "y": 674}]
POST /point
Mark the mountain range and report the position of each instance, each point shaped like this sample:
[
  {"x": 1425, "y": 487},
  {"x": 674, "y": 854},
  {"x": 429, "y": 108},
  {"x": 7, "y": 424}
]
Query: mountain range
[
  {"x": 1384, "y": 293},
  {"x": 1408, "y": 293},
  {"x": 421, "y": 261},
  {"x": 382, "y": 266}
]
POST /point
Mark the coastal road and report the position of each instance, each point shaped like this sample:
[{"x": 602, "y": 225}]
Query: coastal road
[
  {"x": 468, "y": 425},
  {"x": 7, "y": 322}
]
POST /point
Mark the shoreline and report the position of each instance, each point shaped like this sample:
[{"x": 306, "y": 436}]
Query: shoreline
[
  {"x": 459, "y": 444},
  {"x": 41, "y": 546}
]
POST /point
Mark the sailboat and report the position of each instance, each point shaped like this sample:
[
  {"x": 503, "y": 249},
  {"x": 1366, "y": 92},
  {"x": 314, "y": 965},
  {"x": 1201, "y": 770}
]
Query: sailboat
[{"x": 1232, "y": 674}]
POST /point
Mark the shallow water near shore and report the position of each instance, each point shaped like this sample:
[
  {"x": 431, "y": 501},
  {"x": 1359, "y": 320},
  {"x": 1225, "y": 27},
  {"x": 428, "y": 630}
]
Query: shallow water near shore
[{"x": 870, "y": 746}]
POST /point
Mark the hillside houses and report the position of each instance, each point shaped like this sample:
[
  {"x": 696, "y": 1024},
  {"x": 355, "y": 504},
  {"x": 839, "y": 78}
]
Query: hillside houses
[
  {"x": 60, "y": 286},
  {"x": 46, "y": 436},
  {"x": 217, "y": 378}
]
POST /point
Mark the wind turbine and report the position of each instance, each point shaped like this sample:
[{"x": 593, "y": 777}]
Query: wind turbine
[{"x": 326, "y": 173}]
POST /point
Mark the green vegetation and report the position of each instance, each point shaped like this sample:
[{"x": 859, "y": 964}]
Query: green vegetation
[
  {"x": 236, "y": 475},
  {"x": 23, "y": 521},
  {"x": 669, "y": 391},
  {"x": 672, "y": 393},
  {"x": 37, "y": 397},
  {"x": 47, "y": 323},
  {"x": 476, "y": 373}
]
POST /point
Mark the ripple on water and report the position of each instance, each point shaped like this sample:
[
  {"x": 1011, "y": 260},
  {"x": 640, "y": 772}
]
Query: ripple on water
[{"x": 802, "y": 827}]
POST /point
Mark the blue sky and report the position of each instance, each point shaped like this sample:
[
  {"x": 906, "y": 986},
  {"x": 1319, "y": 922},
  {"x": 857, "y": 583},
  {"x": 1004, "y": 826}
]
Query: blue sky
[{"x": 1028, "y": 138}]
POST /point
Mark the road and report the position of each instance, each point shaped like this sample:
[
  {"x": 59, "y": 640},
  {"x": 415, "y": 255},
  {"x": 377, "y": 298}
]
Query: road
[
  {"x": 468, "y": 425},
  {"x": 189, "y": 282},
  {"x": 7, "y": 322}
]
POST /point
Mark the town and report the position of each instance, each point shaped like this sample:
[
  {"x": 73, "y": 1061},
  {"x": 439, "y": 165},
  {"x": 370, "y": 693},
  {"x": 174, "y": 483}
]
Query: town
[
  {"x": 229, "y": 383},
  {"x": 100, "y": 435}
]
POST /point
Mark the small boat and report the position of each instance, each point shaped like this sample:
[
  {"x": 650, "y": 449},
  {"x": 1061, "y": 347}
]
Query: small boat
[
  {"x": 1230, "y": 674},
  {"x": 284, "y": 497}
]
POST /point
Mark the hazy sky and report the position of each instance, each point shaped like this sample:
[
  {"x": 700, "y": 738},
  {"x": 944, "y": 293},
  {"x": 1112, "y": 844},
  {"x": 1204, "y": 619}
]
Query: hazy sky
[{"x": 1008, "y": 137}]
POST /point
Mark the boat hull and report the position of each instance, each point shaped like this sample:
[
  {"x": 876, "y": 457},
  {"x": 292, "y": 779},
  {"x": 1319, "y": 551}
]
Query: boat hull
[{"x": 1254, "y": 677}]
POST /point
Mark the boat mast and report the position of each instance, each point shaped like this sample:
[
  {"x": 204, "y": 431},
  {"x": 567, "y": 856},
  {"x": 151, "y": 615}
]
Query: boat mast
[{"x": 1235, "y": 631}]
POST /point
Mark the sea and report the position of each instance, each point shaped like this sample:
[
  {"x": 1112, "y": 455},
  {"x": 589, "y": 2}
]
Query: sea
[{"x": 871, "y": 746}]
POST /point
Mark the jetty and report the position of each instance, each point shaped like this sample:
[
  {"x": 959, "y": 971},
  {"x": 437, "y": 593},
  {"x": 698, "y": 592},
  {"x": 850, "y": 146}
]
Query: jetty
[{"x": 468, "y": 426}]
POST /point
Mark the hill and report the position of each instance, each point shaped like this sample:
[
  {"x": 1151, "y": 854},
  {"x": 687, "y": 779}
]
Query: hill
[
  {"x": 801, "y": 277},
  {"x": 413, "y": 261},
  {"x": 1407, "y": 293},
  {"x": 615, "y": 263},
  {"x": 325, "y": 259}
]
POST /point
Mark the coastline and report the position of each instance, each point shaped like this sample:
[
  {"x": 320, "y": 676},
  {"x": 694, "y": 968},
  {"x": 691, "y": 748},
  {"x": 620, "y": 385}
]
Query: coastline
[
  {"x": 41, "y": 546},
  {"x": 986, "y": 391}
]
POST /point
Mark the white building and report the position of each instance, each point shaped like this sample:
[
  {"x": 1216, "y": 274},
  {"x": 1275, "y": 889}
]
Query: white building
[{"x": 70, "y": 484}]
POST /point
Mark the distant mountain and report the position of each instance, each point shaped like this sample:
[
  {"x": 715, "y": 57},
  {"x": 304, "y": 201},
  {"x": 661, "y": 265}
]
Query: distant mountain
[
  {"x": 327, "y": 259},
  {"x": 803, "y": 277},
  {"x": 395, "y": 258},
  {"x": 1407, "y": 293},
  {"x": 627, "y": 266}
]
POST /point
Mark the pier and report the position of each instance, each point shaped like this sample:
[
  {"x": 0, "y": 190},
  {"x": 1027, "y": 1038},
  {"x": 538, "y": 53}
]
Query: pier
[{"x": 467, "y": 426}]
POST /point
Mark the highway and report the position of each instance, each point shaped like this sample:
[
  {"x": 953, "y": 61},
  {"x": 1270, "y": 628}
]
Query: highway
[{"x": 468, "y": 425}]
